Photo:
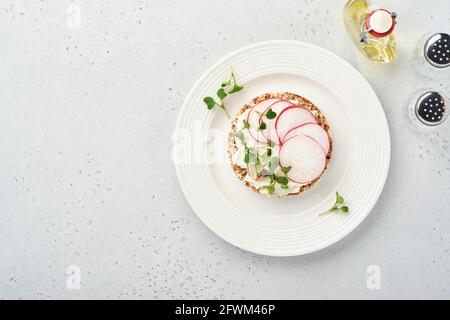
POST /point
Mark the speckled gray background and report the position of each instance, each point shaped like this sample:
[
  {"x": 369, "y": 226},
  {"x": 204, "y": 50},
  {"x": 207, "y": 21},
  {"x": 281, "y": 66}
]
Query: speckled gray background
[{"x": 86, "y": 116}]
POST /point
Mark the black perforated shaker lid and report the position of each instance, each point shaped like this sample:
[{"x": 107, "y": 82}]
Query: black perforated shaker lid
[
  {"x": 437, "y": 50},
  {"x": 431, "y": 108}
]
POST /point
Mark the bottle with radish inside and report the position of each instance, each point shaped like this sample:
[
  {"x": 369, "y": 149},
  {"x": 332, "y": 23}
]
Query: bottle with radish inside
[{"x": 371, "y": 29}]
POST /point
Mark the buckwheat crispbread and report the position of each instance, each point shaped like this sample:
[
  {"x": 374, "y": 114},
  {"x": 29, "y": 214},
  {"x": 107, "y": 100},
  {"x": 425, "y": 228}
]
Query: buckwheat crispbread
[{"x": 301, "y": 101}]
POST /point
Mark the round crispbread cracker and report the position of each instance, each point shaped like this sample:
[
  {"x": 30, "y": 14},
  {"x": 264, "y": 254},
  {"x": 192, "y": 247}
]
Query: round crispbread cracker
[{"x": 299, "y": 100}]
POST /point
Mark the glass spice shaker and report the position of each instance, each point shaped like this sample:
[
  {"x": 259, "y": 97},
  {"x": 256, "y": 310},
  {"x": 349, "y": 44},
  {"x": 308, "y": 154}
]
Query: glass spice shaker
[
  {"x": 434, "y": 55},
  {"x": 428, "y": 110}
]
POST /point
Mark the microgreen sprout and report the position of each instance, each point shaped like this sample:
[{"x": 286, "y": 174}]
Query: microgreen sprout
[
  {"x": 270, "y": 114},
  {"x": 339, "y": 205},
  {"x": 263, "y": 126},
  {"x": 226, "y": 88}
]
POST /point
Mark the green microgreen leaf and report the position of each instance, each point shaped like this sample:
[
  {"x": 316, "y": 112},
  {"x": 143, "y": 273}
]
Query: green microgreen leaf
[
  {"x": 221, "y": 93},
  {"x": 282, "y": 180},
  {"x": 246, "y": 124},
  {"x": 270, "y": 114},
  {"x": 210, "y": 102},
  {"x": 339, "y": 205},
  {"x": 272, "y": 178},
  {"x": 236, "y": 88},
  {"x": 269, "y": 152},
  {"x": 339, "y": 198},
  {"x": 285, "y": 170},
  {"x": 226, "y": 84},
  {"x": 226, "y": 88},
  {"x": 270, "y": 188},
  {"x": 263, "y": 126}
]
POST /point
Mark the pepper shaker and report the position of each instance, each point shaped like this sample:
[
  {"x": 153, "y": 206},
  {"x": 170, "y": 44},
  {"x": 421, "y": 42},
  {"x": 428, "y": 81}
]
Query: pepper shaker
[
  {"x": 428, "y": 109},
  {"x": 434, "y": 55}
]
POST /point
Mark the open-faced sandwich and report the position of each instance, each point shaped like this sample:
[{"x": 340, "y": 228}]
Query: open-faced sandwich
[{"x": 279, "y": 144}]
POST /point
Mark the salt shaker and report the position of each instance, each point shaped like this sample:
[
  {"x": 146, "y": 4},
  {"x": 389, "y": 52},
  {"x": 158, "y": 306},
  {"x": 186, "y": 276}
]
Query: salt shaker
[
  {"x": 434, "y": 55},
  {"x": 428, "y": 110}
]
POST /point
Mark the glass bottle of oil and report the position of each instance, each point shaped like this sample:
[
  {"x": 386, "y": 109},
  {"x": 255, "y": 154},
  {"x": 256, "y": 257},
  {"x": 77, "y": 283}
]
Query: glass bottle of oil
[{"x": 371, "y": 29}]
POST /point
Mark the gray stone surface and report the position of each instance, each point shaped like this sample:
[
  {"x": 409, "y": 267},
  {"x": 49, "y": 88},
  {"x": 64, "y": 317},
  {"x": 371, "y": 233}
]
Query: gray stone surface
[{"x": 86, "y": 115}]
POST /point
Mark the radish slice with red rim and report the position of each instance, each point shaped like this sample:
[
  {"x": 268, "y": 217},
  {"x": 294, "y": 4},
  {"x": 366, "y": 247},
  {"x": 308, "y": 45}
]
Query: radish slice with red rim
[
  {"x": 305, "y": 157},
  {"x": 253, "y": 119},
  {"x": 278, "y": 107},
  {"x": 313, "y": 131},
  {"x": 292, "y": 117}
]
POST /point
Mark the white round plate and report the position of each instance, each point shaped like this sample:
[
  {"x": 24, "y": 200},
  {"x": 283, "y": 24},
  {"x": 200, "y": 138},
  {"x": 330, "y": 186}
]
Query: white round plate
[{"x": 358, "y": 167}]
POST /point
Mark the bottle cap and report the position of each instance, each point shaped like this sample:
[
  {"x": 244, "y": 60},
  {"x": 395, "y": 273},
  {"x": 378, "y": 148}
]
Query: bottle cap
[
  {"x": 430, "y": 108},
  {"x": 437, "y": 50},
  {"x": 380, "y": 23}
]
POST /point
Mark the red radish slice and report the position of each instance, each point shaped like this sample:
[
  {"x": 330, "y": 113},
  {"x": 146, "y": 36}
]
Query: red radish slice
[
  {"x": 270, "y": 132},
  {"x": 253, "y": 119},
  {"x": 314, "y": 131},
  {"x": 305, "y": 157},
  {"x": 292, "y": 117}
]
